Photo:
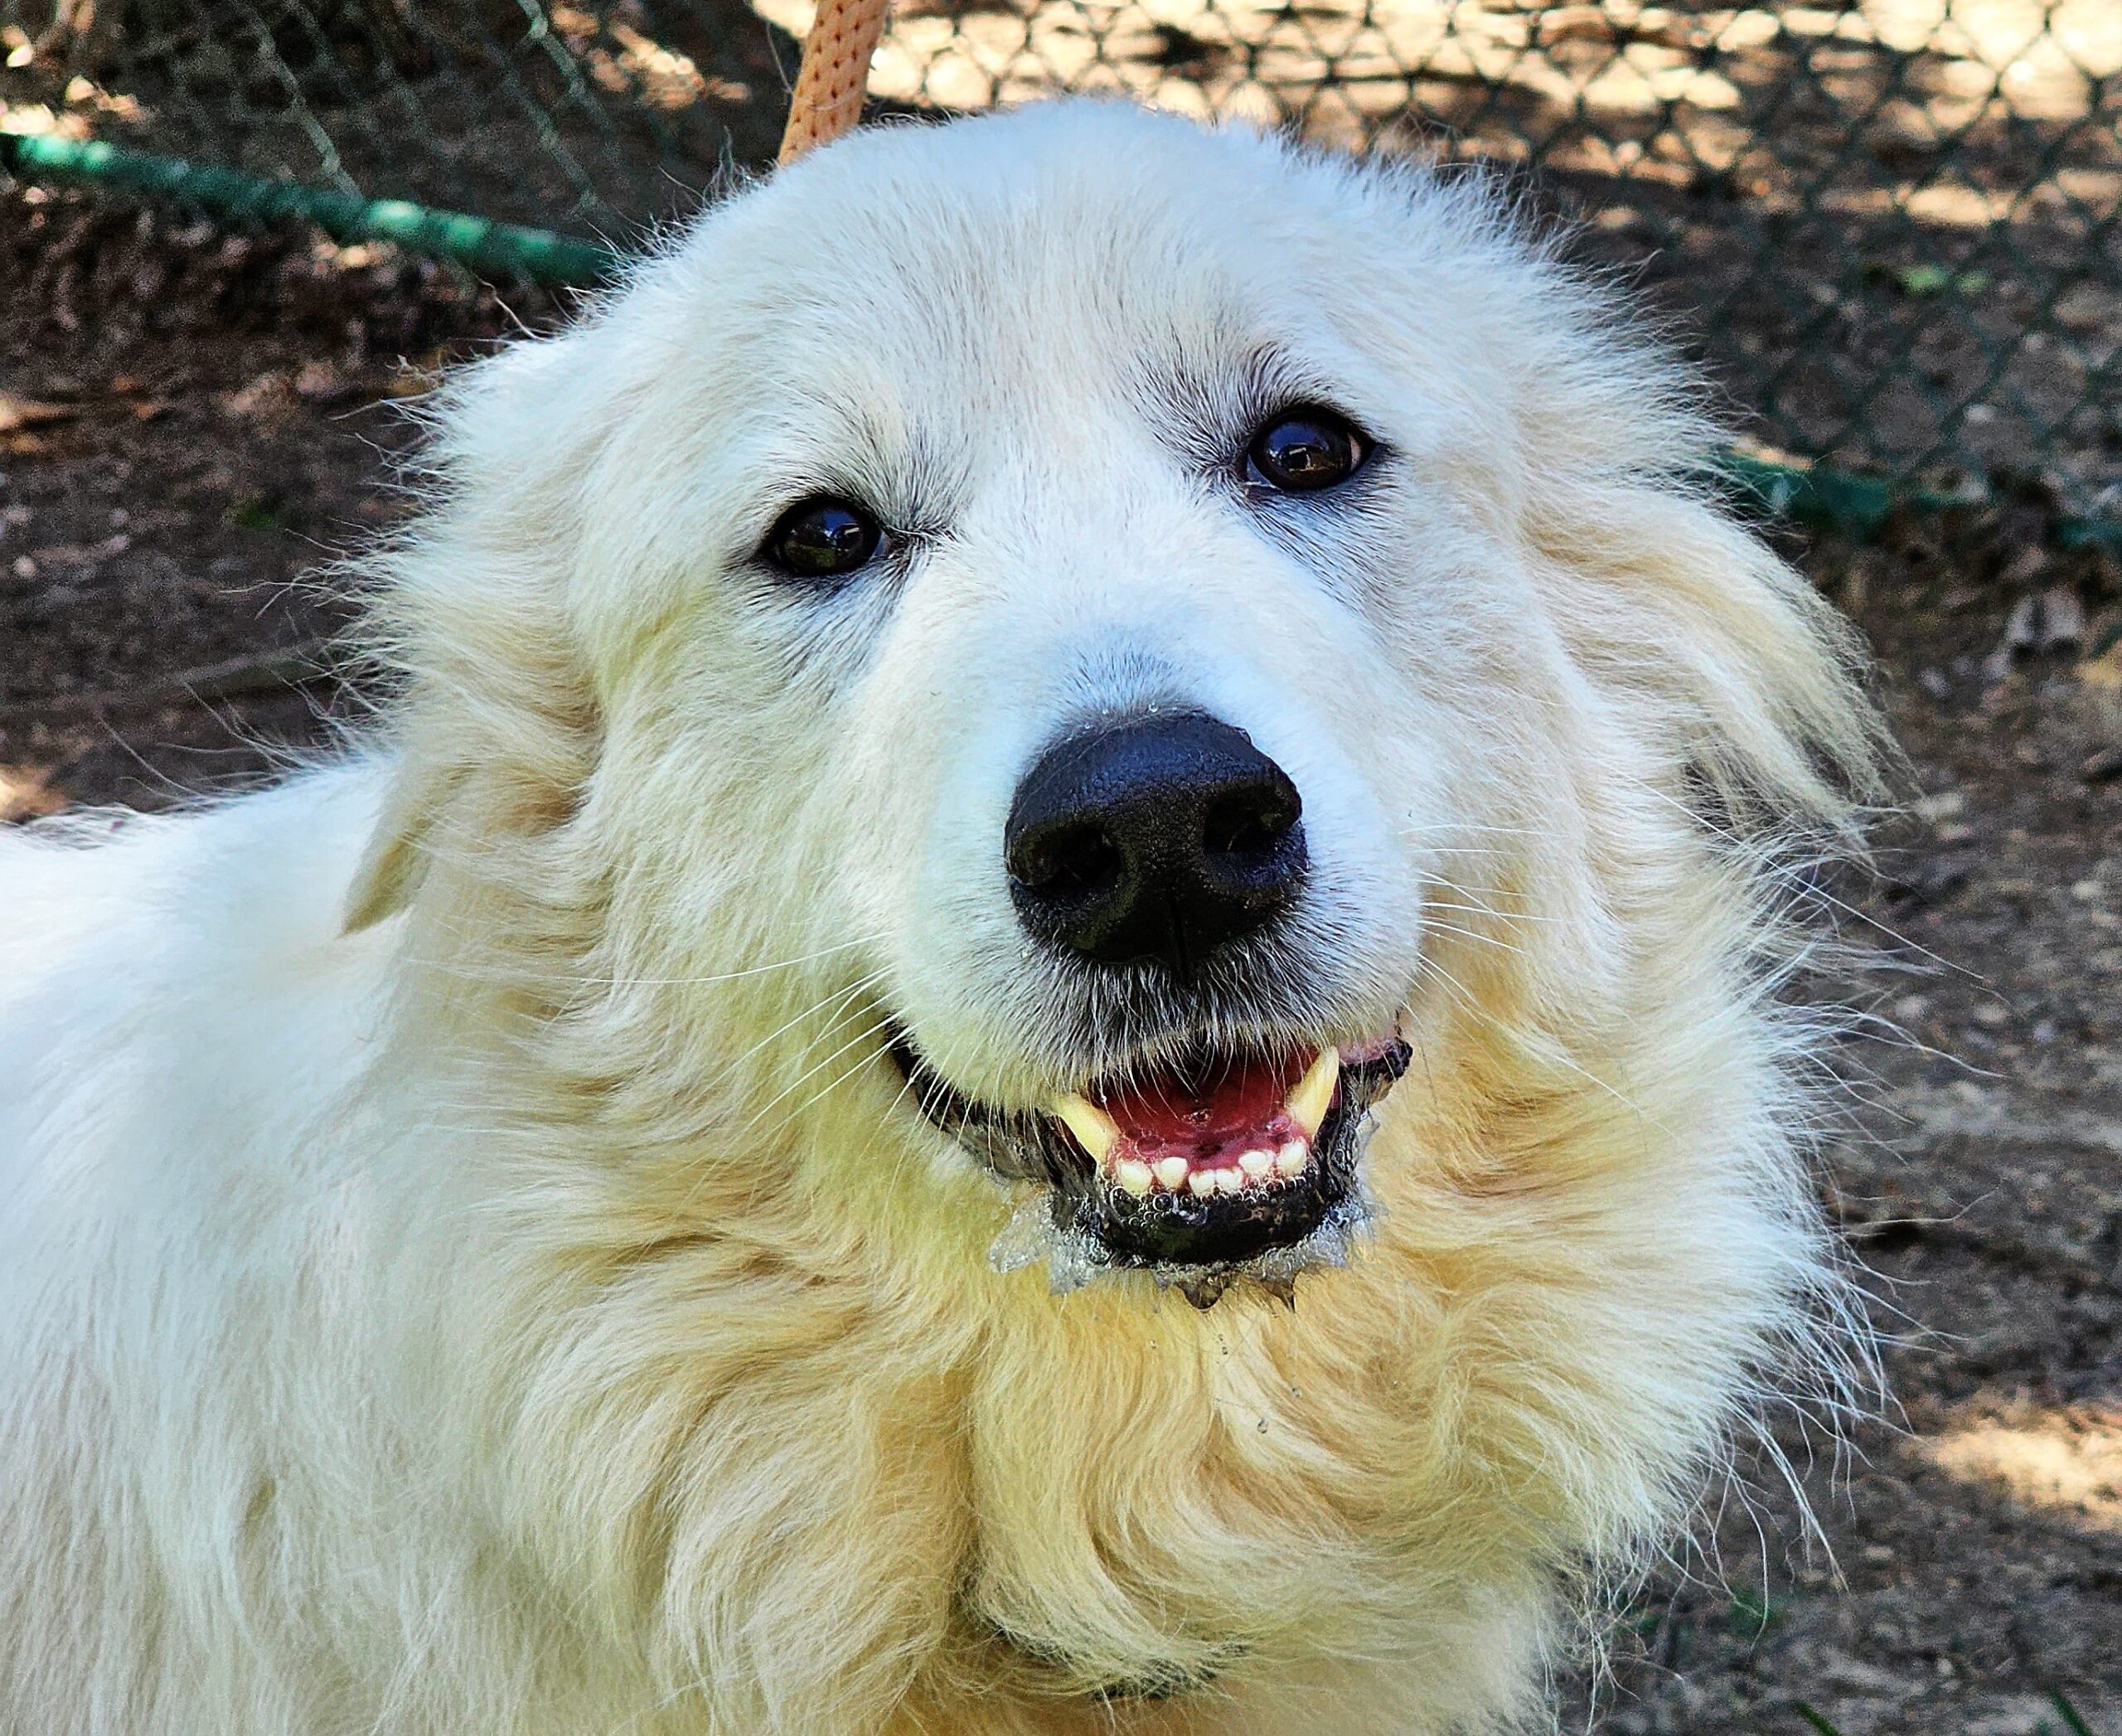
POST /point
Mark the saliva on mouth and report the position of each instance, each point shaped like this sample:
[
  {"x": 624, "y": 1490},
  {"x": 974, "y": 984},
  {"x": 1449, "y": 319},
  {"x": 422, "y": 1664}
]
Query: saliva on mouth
[{"x": 1231, "y": 1167}]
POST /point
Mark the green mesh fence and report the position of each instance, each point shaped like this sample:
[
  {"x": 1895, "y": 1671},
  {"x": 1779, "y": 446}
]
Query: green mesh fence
[{"x": 1893, "y": 227}]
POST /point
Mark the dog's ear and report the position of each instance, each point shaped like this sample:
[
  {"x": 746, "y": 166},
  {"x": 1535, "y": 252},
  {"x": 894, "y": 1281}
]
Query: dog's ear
[
  {"x": 467, "y": 616},
  {"x": 1754, "y": 682},
  {"x": 396, "y": 861}
]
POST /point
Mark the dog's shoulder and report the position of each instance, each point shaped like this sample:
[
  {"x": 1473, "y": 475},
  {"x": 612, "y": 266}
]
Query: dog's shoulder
[{"x": 159, "y": 969}]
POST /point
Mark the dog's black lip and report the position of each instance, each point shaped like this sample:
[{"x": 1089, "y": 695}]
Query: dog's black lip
[{"x": 1164, "y": 1229}]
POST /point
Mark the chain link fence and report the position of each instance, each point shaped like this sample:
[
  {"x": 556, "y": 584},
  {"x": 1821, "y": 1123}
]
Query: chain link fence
[{"x": 1893, "y": 227}]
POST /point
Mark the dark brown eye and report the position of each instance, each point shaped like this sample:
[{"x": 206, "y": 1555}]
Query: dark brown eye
[
  {"x": 1304, "y": 451},
  {"x": 823, "y": 538}
]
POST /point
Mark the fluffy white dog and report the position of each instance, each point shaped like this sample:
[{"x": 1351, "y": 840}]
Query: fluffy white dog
[{"x": 1053, "y": 1007}]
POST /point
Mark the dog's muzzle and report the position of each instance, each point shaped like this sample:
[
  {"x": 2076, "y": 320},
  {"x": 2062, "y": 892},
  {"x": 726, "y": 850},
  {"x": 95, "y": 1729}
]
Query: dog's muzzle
[{"x": 1154, "y": 847}]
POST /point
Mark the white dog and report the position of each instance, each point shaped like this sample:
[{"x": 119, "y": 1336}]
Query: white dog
[{"x": 1052, "y": 1009}]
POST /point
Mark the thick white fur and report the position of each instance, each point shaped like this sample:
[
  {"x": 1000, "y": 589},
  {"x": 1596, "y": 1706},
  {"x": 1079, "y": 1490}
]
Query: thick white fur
[{"x": 466, "y": 1266}]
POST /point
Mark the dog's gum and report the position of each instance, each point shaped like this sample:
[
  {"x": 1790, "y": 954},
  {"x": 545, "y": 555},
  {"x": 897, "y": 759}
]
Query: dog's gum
[{"x": 1276, "y": 1150}]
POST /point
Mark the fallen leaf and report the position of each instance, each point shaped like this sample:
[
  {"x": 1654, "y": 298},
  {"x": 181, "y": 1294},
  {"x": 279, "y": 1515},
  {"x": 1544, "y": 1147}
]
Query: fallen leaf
[
  {"x": 25, "y": 794},
  {"x": 18, "y": 414}
]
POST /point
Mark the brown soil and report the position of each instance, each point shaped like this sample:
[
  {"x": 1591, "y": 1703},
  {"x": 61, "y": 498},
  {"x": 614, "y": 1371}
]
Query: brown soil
[
  {"x": 189, "y": 424},
  {"x": 1975, "y": 1550},
  {"x": 1972, "y": 1559}
]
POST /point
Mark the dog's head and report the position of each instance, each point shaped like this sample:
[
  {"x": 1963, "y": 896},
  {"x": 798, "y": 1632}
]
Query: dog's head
[{"x": 1076, "y": 647}]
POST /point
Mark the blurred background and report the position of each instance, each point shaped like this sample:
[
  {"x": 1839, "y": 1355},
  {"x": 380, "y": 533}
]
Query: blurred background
[{"x": 237, "y": 235}]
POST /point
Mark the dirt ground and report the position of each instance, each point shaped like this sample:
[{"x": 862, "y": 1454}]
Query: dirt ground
[{"x": 190, "y": 423}]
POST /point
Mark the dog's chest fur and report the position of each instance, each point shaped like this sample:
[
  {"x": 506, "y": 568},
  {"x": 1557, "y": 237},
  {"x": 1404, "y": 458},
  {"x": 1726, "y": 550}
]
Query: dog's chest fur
[{"x": 1113, "y": 1497}]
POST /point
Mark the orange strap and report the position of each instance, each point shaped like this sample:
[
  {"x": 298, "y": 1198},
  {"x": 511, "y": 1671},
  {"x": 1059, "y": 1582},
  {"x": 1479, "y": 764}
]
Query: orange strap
[{"x": 834, "y": 75}]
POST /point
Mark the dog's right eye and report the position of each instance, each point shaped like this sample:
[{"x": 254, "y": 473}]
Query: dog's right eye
[
  {"x": 823, "y": 537},
  {"x": 1305, "y": 451}
]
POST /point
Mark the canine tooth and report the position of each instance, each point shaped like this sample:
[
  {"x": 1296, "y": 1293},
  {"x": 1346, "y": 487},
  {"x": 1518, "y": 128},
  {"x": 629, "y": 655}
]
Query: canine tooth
[
  {"x": 1134, "y": 1177},
  {"x": 1315, "y": 1091},
  {"x": 1256, "y": 1164},
  {"x": 1096, "y": 1131},
  {"x": 1171, "y": 1171},
  {"x": 1228, "y": 1182},
  {"x": 1291, "y": 1159},
  {"x": 1202, "y": 1181}
]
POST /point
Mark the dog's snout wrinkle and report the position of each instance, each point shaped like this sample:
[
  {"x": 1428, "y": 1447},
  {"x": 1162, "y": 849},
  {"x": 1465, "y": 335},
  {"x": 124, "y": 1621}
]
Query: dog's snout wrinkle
[{"x": 1162, "y": 837}]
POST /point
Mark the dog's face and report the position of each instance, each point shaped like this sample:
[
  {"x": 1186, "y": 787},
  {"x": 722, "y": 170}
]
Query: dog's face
[
  {"x": 1096, "y": 519},
  {"x": 1125, "y": 532},
  {"x": 1064, "y": 685},
  {"x": 1114, "y": 572}
]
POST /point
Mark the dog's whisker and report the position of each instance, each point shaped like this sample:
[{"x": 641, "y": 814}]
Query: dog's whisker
[
  {"x": 1496, "y": 941},
  {"x": 1457, "y": 828},
  {"x": 1506, "y": 917},
  {"x": 867, "y": 1034},
  {"x": 762, "y": 1112},
  {"x": 866, "y": 1037},
  {"x": 830, "y": 1008},
  {"x": 736, "y": 976},
  {"x": 846, "y": 1073},
  {"x": 828, "y": 1005}
]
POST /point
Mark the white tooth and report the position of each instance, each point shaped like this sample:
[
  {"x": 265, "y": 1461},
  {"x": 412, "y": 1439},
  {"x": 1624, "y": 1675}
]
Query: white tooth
[
  {"x": 1256, "y": 1164},
  {"x": 1133, "y": 1177},
  {"x": 1228, "y": 1182},
  {"x": 1291, "y": 1159},
  {"x": 1308, "y": 1103},
  {"x": 1095, "y": 1130},
  {"x": 1202, "y": 1181},
  {"x": 1171, "y": 1171}
]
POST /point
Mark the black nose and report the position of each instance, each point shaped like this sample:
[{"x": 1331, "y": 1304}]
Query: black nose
[{"x": 1160, "y": 838}]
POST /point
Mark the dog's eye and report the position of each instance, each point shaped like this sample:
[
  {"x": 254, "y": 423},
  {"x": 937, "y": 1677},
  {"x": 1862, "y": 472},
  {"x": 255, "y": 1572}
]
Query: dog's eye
[
  {"x": 1304, "y": 451},
  {"x": 823, "y": 537}
]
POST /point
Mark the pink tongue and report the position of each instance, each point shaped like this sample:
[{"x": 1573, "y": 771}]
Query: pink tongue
[{"x": 1219, "y": 1108}]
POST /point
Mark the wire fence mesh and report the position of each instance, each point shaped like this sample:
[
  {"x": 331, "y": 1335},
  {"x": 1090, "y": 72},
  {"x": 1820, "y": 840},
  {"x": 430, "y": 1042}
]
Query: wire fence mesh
[{"x": 1893, "y": 227}]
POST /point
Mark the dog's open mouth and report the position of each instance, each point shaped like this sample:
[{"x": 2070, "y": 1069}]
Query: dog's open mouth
[{"x": 1224, "y": 1165}]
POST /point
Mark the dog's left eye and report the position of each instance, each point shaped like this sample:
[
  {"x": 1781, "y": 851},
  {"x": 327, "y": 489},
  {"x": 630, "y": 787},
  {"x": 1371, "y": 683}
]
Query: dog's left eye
[
  {"x": 1303, "y": 451},
  {"x": 823, "y": 537}
]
